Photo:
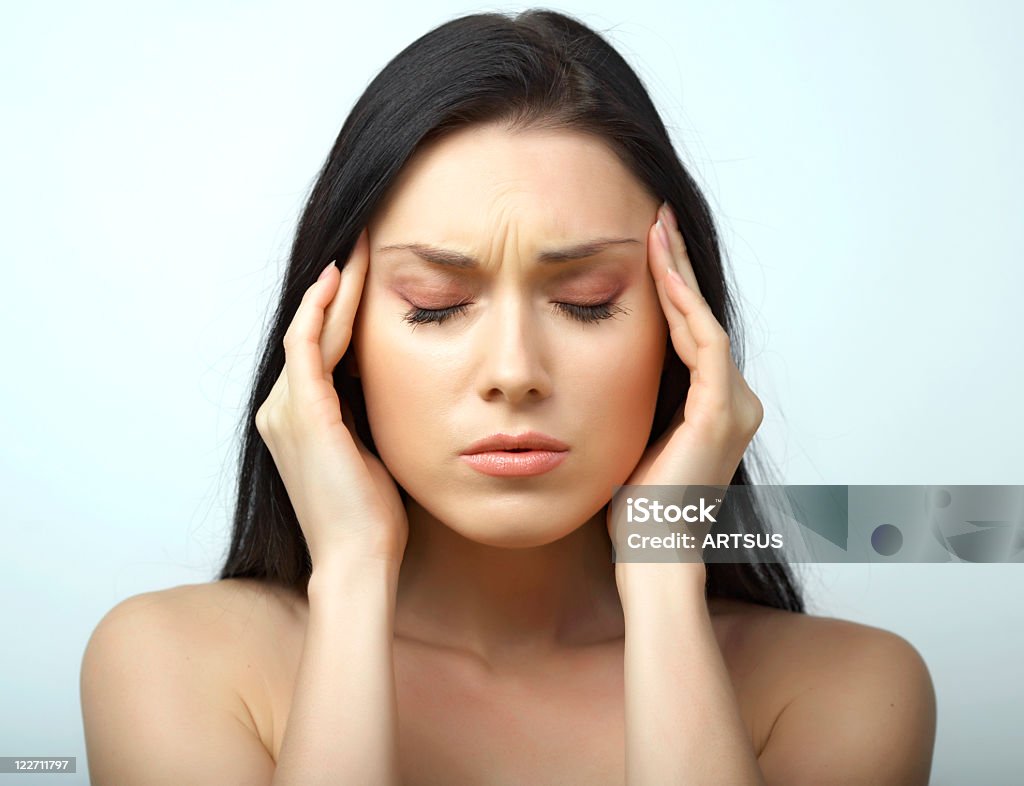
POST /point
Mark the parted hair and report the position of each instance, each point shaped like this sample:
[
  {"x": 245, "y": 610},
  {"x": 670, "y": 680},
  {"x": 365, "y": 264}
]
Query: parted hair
[{"x": 538, "y": 69}]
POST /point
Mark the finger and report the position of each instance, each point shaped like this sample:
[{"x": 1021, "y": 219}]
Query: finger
[
  {"x": 303, "y": 362},
  {"x": 713, "y": 361},
  {"x": 349, "y": 419},
  {"x": 279, "y": 391},
  {"x": 679, "y": 330},
  {"x": 340, "y": 314},
  {"x": 680, "y": 257}
]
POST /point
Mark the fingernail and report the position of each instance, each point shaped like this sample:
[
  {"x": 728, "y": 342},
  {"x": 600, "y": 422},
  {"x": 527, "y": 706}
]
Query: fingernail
[
  {"x": 670, "y": 217},
  {"x": 324, "y": 271},
  {"x": 662, "y": 234}
]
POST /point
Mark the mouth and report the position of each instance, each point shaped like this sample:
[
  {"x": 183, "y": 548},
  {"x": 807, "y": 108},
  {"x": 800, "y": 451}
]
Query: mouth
[
  {"x": 517, "y": 443},
  {"x": 516, "y": 455},
  {"x": 516, "y": 462}
]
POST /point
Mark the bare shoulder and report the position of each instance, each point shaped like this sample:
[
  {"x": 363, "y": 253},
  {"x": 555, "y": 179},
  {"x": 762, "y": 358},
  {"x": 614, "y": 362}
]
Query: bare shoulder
[
  {"x": 809, "y": 643},
  {"x": 849, "y": 698},
  {"x": 195, "y": 628},
  {"x": 208, "y": 616},
  {"x": 177, "y": 655}
]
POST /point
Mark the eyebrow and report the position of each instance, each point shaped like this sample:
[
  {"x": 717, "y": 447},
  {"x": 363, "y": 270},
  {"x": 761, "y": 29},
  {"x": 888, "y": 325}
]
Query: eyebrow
[{"x": 449, "y": 258}]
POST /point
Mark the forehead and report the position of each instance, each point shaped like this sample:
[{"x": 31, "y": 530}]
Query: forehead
[{"x": 564, "y": 181}]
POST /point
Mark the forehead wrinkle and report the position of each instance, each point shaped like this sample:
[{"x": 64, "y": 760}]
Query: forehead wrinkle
[
  {"x": 450, "y": 260},
  {"x": 505, "y": 239}
]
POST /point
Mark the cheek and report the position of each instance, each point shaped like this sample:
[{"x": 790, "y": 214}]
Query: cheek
[
  {"x": 628, "y": 353},
  {"x": 625, "y": 373},
  {"x": 617, "y": 387},
  {"x": 402, "y": 380}
]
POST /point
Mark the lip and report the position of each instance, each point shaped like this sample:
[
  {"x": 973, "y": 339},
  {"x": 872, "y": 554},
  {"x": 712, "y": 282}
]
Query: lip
[
  {"x": 528, "y": 440},
  {"x": 501, "y": 463},
  {"x": 537, "y": 453}
]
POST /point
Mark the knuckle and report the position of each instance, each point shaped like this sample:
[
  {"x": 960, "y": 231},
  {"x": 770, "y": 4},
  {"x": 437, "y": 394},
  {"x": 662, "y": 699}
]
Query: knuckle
[
  {"x": 754, "y": 413},
  {"x": 308, "y": 293},
  {"x": 261, "y": 420},
  {"x": 758, "y": 406},
  {"x": 293, "y": 342},
  {"x": 270, "y": 420}
]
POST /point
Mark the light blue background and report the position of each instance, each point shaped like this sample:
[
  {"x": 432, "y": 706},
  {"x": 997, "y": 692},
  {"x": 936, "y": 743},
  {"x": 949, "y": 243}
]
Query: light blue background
[{"x": 863, "y": 161}]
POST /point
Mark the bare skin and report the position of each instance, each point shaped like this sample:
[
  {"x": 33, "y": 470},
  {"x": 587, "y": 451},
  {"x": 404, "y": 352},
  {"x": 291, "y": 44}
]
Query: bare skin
[
  {"x": 509, "y": 648},
  {"x": 551, "y": 718}
]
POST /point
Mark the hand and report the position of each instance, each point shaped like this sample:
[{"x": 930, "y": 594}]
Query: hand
[
  {"x": 710, "y": 432},
  {"x": 344, "y": 497}
]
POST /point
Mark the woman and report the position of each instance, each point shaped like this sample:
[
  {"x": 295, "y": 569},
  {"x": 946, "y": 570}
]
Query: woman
[{"x": 528, "y": 309}]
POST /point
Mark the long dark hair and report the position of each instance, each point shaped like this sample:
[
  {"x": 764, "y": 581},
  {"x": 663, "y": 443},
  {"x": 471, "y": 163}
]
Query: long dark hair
[{"x": 537, "y": 69}]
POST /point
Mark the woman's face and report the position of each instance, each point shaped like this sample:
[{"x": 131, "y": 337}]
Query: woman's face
[{"x": 509, "y": 358}]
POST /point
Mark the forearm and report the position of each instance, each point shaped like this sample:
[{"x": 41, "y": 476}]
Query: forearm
[
  {"x": 343, "y": 724},
  {"x": 683, "y": 724}
]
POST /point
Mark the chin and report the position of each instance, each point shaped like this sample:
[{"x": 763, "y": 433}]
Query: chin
[
  {"x": 514, "y": 524},
  {"x": 513, "y": 537}
]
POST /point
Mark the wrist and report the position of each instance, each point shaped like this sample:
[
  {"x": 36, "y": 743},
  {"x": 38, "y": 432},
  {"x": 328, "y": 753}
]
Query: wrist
[
  {"x": 657, "y": 584},
  {"x": 344, "y": 569}
]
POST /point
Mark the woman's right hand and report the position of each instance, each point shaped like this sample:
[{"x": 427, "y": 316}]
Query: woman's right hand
[{"x": 344, "y": 497}]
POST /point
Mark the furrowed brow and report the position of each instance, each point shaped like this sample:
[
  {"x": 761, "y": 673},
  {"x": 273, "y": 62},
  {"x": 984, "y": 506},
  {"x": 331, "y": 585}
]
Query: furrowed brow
[{"x": 448, "y": 258}]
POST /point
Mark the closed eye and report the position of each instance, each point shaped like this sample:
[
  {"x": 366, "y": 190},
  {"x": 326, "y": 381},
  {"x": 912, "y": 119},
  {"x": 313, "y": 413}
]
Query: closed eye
[{"x": 579, "y": 312}]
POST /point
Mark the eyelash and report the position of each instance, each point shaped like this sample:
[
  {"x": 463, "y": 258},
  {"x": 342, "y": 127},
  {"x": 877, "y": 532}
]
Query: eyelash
[{"x": 587, "y": 314}]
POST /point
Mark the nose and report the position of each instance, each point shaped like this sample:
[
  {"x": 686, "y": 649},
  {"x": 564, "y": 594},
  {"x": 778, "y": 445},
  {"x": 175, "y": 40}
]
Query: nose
[{"x": 512, "y": 354}]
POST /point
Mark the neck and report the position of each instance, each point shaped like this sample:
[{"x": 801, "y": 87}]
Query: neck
[{"x": 504, "y": 603}]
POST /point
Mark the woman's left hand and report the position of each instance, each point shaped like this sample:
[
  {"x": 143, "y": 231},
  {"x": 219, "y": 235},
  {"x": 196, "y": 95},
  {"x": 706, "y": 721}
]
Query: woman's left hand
[{"x": 706, "y": 440}]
